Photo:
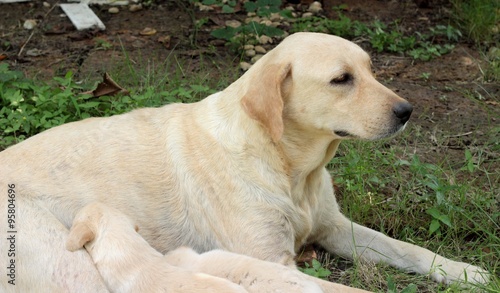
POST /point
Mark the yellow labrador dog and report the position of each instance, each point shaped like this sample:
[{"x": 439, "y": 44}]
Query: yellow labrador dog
[
  {"x": 127, "y": 263},
  {"x": 243, "y": 170}
]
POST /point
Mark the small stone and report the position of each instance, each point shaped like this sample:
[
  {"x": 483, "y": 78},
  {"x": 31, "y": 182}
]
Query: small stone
[
  {"x": 135, "y": 7},
  {"x": 466, "y": 61},
  {"x": 248, "y": 47},
  {"x": 113, "y": 10},
  {"x": 46, "y": 4},
  {"x": 266, "y": 22},
  {"x": 307, "y": 14},
  {"x": 275, "y": 17},
  {"x": 34, "y": 52},
  {"x": 205, "y": 8},
  {"x": 250, "y": 53},
  {"x": 251, "y": 14},
  {"x": 290, "y": 8},
  {"x": 256, "y": 19},
  {"x": 315, "y": 7},
  {"x": 260, "y": 50},
  {"x": 265, "y": 40},
  {"x": 275, "y": 24},
  {"x": 29, "y": 24},
  {"x": 233, "y": 23},
  {"x": 256, "y": 58},
  {"x": 245, "y": 66}
]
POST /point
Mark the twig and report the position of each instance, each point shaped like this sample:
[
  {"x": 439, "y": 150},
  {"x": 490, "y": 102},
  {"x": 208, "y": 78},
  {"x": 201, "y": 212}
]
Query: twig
[
  {"x": 33, "y": 32},
  {"x": 461, "y": 134}
]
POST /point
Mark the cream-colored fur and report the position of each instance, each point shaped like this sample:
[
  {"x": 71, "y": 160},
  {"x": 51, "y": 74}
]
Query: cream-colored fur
[
  {"x": 254, "y": 275},
  {"x": 127, "y": 263},
  {"x": 242, "y": 170}
]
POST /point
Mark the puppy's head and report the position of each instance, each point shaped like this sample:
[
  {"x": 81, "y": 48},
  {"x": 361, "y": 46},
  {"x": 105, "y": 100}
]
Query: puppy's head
[
  {"x": 322, "y": 84},
  {"x": 91, "y": 222}
]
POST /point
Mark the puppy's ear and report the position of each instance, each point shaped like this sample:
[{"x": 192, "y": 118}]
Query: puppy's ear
[
  {"x": 264, "y": 101},
  {"x": 79, "y": 235}
]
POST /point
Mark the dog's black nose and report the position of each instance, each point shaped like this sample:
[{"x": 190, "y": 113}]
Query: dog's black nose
[{"x": 403, "y": 111}]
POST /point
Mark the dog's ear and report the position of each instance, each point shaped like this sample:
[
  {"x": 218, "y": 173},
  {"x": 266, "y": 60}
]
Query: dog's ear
[
  {"x": 136, "y": 228},
  {"x": 78, "y": 236},
  {"x": 264, "y": 101}
]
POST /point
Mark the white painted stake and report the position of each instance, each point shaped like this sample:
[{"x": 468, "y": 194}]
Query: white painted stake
[{"x": 82, "y": 16}]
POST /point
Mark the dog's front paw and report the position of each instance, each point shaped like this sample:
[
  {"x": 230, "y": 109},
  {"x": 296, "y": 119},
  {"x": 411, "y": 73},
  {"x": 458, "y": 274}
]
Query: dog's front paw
[{"x": 453, "y": 272}]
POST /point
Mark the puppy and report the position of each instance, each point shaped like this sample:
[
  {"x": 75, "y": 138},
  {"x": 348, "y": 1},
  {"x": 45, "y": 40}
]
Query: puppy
[
  {"x": 254, "y": 275},
  {"x": 127, "y": 263}
]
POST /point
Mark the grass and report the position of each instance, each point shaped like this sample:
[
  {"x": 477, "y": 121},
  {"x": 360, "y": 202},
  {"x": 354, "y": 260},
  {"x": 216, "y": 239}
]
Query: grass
[
  {"x": 448, "y": 203},
  {"x": 480, "y": 21},
  {"x": 418, "y": 192}
]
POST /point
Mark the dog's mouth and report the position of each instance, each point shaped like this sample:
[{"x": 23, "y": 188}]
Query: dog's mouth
[{"x": 384, "y": 134}]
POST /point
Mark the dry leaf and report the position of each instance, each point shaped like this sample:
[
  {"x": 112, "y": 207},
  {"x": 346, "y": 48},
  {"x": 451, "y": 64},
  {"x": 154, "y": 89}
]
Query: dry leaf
[
  {"x": 165, "y": 40},
  {"x": 148, "y": 31},
  {"x": 306, "y": 256},
  {"x": 108, "y": 87}
]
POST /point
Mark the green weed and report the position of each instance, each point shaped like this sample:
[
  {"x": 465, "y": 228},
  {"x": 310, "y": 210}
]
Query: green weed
[
  {"x": 316, "y": 270},
  {"x": 382, "y": 37}
]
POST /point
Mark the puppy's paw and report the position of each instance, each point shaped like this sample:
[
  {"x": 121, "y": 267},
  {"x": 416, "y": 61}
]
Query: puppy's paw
[{"x": 459, "y": 272}]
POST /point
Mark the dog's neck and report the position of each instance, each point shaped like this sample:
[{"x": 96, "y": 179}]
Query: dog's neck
[
  {"x": 121, "y": 259},
  {"x": 306, "y": 153}
]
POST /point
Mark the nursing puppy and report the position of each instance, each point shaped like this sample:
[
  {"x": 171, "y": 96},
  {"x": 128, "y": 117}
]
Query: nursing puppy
[
  {"x": 242, "y": 170},
  {"x": 127, "y": 263},
  {"x": 254, "y": 275}
]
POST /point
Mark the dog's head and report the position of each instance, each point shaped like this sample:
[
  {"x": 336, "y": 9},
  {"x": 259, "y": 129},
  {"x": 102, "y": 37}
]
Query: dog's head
[
  {"x": 92, "y": 221},
  {"x": 322, "y": 84}
]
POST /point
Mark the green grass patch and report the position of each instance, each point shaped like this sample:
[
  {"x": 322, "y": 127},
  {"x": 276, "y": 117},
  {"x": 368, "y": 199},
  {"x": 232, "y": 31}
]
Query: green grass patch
[
  {"x": 419, "y": 200},
  {"x": 385, "y": 37}
]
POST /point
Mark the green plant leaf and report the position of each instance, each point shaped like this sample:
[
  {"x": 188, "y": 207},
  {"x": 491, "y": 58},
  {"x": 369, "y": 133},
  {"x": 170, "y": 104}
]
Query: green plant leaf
[
  {"x": 227, "y": 9},
  {"x": 434, "y": 226},
  {"x": 226, "y": 33}
]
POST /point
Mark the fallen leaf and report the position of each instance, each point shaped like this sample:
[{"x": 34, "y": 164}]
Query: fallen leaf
[
  {"x": 306, "y": 256},
  {"x": 165, "y": 40},
  {"x": 108, "y": 87},
  {"x": 2, "y": 57},
  {"x": 147, "y": 31}
]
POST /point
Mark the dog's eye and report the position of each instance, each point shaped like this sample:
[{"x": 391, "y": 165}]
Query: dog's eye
[{"x": 342, "y": 79}]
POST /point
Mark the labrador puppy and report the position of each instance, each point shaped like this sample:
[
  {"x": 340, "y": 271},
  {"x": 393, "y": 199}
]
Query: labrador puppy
[
  {"x": 242, "y": 170},
  {"x": 127, "y": 263},
  {"x": 256, "y": 276}
]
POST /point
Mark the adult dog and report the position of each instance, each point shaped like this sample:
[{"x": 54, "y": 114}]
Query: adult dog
[{"x": 242, "y": 170}]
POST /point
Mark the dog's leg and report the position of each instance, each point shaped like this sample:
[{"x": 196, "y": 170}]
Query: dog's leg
[
  {"x": 41, "y": 262},
  {"x": 342, "y": 237},
  {"x": 349, "y": 239}
]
